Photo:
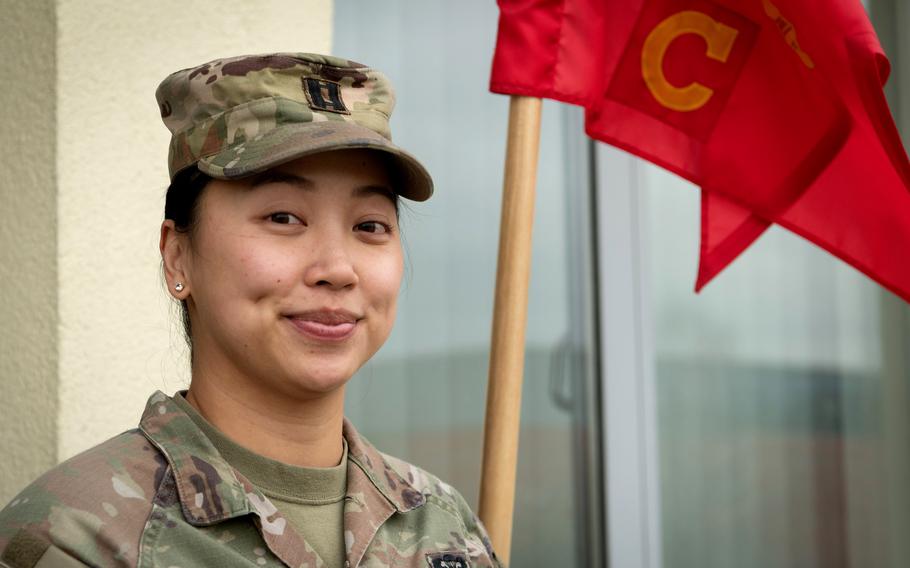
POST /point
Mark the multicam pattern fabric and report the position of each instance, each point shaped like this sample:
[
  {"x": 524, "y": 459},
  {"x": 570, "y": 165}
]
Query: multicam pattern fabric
[
  {"x": 161, "y": 495},
  {"x": 238, "y": 116}
]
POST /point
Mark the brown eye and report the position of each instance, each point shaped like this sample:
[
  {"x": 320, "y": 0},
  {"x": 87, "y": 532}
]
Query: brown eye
[
  {"x": 373, "y": 227},
  {"x": 285, "y": 218}
]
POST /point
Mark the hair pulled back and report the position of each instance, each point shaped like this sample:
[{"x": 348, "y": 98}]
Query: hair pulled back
[{"x": 181, "y": 205}]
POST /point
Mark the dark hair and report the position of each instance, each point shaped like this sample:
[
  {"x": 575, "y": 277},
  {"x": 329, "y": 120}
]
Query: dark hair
[{"x": 181, "y": 205}]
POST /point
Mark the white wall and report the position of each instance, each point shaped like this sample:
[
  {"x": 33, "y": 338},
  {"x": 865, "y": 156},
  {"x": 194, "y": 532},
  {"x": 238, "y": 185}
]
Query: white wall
[
  {"x": 28, "y": 248},
  {"x": 105, "y": 313}
]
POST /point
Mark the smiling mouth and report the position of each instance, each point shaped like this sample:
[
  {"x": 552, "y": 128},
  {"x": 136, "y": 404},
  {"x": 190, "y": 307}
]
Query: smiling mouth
[{"x": 325, "y": 325}]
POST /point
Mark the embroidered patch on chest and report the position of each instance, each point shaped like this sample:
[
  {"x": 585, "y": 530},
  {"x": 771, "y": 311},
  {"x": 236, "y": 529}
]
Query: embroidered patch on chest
[
  {"x": 324, "y": 95},
  {"x": 450, "y": 559}
]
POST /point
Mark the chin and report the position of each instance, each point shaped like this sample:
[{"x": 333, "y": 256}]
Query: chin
[{"x": 323, "y": 380}]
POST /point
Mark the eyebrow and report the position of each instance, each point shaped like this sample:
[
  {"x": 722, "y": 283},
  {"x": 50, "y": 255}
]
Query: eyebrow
[
  {"x": 382, "y": 190},
  {"x": 272, "y": 176},
  {"x": 307, "y": 184}
]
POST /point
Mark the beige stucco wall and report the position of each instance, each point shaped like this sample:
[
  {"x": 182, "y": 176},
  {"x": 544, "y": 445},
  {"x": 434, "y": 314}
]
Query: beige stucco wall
[
  {"x": 105, "y": 315},
  {"x": 28, "y": 247}
]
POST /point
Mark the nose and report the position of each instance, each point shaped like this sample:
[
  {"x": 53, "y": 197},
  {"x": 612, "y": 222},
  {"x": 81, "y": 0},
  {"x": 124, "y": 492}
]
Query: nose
[{"x": 330, "y": 265}]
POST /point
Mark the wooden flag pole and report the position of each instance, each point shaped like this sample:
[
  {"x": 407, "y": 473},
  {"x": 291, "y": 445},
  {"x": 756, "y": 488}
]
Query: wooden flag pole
[{"x": 510, "y": 315}]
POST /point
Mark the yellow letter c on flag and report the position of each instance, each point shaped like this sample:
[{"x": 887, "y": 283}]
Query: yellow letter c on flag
[{"x": 693, "y": 96}]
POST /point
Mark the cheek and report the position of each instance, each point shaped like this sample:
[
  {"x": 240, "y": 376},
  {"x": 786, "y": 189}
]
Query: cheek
[
  {"x": 382, "y": 281},
  {"x": 250, "y": 268}
]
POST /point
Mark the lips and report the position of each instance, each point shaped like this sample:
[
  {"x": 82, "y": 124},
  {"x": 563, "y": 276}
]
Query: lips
[{"x": 325, "y": 325}]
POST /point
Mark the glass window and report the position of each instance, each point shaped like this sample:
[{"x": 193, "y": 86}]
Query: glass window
[
  {"x": 776, "y": 414},
  {"x": 769, "y": 415}
]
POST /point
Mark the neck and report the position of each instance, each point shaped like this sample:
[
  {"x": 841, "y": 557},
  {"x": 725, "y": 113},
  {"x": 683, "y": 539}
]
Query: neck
[{"x": 301, "y": 432}]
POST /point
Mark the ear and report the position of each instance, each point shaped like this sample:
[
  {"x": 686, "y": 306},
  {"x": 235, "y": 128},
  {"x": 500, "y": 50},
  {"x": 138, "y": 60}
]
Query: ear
[{"x": 175, "y": 253}]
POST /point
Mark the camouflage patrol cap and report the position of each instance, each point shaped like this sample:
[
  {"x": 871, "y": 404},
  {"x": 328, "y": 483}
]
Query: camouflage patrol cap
[{"x": 239, "y": 116}]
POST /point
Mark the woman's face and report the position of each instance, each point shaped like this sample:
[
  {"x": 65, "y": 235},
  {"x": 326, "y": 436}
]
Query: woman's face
[{"x": 294, "y": 274}]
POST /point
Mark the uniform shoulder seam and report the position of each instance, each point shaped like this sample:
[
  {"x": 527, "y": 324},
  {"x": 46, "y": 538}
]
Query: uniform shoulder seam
[{"x": 449, "y": 508}]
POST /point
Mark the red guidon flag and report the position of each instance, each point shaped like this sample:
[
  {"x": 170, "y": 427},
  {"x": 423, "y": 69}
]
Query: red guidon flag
[{"x": 775, "y": 108}]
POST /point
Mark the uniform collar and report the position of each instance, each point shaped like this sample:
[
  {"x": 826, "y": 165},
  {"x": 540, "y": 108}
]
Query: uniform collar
[
  {"x": 210, "y": 490},
  {"x": 400, "y": 491}
]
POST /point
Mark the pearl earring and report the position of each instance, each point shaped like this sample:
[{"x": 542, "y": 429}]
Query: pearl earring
[{"x": 178, "y": 286}]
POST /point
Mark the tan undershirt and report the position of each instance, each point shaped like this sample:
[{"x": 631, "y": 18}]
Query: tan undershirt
[{"x": 312, "y": 498}]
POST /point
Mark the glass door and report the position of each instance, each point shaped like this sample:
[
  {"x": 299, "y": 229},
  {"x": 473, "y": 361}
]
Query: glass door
[{"x": 763, "y": 422}]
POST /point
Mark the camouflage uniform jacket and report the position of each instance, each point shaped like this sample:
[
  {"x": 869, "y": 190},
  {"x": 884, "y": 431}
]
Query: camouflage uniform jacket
[{"x": 161, "y": 495}]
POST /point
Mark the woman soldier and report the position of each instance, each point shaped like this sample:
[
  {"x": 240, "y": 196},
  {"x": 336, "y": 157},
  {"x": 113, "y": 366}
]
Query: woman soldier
[{"x": 281, "y": 242}]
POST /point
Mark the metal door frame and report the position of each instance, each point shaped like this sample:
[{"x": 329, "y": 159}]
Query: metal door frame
[{"x": 630, "y": 449}]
